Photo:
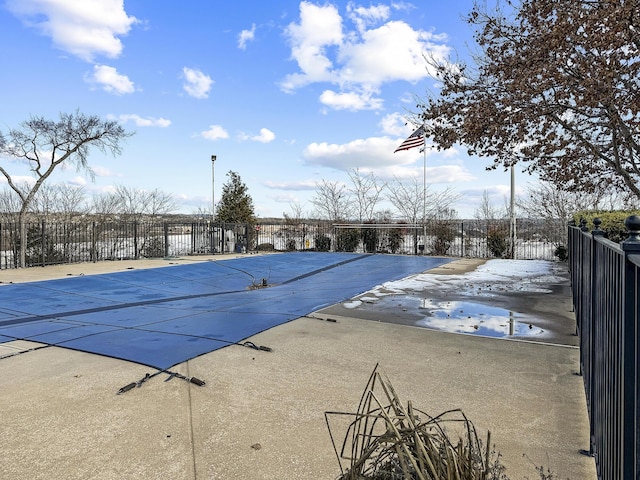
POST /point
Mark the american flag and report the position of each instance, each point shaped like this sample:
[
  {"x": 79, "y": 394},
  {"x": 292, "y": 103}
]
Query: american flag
[{"x": 416, "y": 139}]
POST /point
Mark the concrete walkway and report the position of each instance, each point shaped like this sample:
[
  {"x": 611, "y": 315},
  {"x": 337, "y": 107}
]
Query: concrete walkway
[{"x": 260, "y": 414}]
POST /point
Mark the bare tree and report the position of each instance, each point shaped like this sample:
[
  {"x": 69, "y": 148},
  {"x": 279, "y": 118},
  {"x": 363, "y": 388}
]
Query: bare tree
[
  {"x": 413, "y": 204},
  {"x": 9, "y": 205},
  {"x": 203, "y": 213},
  {"x": 160, "y": 203},
  {"x": 332, "y": 201},
  {"x": 296, "y": 212},
  {"x": 407, "y": 198},
  {"x": 545, "y": 201},
  {"x": 44, "y": 145},
  {"x": 64, "y": 202},
  {"x": 293, "y": 229},
  {"x": 135, "y": 203},
  {"x": 105, "y": 205},
  {"x": 366, "y": 190},
  {"x": 487, "y": 211}
]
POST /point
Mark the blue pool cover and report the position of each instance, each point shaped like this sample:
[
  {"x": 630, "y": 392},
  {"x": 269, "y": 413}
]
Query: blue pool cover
[{"x": 164, "y": 316}]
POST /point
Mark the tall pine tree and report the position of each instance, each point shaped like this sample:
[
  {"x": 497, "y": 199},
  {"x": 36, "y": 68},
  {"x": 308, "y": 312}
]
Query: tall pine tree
[{"x": 236, "y": 205}]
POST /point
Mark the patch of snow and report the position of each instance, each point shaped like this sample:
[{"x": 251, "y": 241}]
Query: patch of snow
[
  {"x": 352, "y": 304},
  {"x": 490, "y": 278},
  {"x": 369, "y": 299}
]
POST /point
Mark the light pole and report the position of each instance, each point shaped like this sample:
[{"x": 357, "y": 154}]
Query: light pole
[{"x": 213, "y": 187}]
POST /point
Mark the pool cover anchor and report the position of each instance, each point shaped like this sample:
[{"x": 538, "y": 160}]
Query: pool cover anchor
[
  {"x": 256, "y": 347},
  {"x": 148, "y": 376}
]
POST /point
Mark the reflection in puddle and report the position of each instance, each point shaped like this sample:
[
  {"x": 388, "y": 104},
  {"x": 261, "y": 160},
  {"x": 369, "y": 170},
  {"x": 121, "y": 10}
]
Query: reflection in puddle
[
  {"x": 453, "y": 316},
  {"x": 467, "y": 317}
]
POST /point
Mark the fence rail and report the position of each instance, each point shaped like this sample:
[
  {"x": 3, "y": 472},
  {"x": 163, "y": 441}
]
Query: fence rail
[
  {"x": 50, "y": 243},
  {"x": 605, "y": 278}
]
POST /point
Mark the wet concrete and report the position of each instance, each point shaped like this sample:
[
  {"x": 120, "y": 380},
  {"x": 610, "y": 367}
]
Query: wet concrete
[
  {"x": 531, "y": 307},
  {"x": 261, "y": 415}
]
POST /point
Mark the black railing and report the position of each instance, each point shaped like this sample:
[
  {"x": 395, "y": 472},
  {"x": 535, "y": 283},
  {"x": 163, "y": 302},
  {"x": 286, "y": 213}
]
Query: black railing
[
  {"x": 605, "y": 279},
  {"x": 76, "y": 242},
  {"x": 50, "y": 243},
  {"x": 535, "y": 239}
]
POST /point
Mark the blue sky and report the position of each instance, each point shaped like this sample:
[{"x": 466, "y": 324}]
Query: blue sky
[{"x": 285, "y": 93}]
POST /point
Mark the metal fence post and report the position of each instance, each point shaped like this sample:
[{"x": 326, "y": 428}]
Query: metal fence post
[
  {"x": 631, "y": 342},
  {"x": 43, "y": 243},
  {"x": 596, "y": 232},
  {"x": 135, "y": 240},
  {"x": 166, "y": 239}
]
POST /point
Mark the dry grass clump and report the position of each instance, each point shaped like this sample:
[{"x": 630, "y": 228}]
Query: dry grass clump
[{"x": 387, "y": 441}]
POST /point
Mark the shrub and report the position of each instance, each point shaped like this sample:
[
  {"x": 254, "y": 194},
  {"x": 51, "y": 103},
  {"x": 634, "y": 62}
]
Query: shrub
[
  {"x": 394, "y": 240},
  {"x": 153, "y": 248},
  {"x": 291, "y": 245},
  {"x": 497, "y": 241},
  {"x": 370, "y": 239},
  {"x": 265, "y": 247},
  {"x": 323, "y": 243},
  {"x": 444, "y": 234},
  {"x": 41, "y": 249},
  {"x": 347, "y": 240},
  {"x": 562, "y": 253},
  {"x": 612, "y": 222}
]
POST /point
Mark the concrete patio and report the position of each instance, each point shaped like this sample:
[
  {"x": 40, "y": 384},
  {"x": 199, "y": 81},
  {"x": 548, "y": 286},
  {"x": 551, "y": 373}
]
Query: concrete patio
[{"x": 260, "y": 414}]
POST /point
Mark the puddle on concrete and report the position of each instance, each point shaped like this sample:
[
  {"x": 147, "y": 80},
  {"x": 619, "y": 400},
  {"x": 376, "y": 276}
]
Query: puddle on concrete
[
  {"x": 468, "y": 317},
  {"x": 455, "y": 316}
]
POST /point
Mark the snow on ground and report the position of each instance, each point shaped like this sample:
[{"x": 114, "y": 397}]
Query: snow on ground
[
  {"x": 491, "y": 279},
  {"x": 488, "y": 279}
]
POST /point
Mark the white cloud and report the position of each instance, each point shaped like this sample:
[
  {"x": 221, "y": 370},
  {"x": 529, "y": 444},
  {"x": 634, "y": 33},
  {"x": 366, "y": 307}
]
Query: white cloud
[
  {"x": 394, "y": 124},
  {"x": 319, "y": 28},
  {"x": 246, "y": 36},
  {"x": 265, "y": 136},
  {"x": 363, "y": 16},
  {"x": 144, "y": 122},
  {"x": 443, "y": 174},
  {"x": 100, "y": 189},
  {"x": 448, "y": 174},
  {"x": 101, "y": 171},
  {"x": 215, "y": 132},
  {"x": 293, "y": 186},
  {"x": 394, "y": 51},
  {"x": 497, "y": 193},
  {"x": 360, "y": 60},
  {"x": 375, "y": 155},
  {"x": 287, "y": 198},
  {"x": 197, "y": 84},
  {"x": 110, "y": 80},
  {"x": 19, "y": 180},
  {"x": 353, "y": 101},
  {"x": 78, "y": 181},
  {"x": 85, "y": 28},
  {"x": 373, "y": 152}
]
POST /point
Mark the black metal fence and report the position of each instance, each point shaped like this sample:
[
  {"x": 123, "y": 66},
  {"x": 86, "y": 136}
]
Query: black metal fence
[
  {"x": 605, "y": 279},
  {"x": 50, "y": 243}
]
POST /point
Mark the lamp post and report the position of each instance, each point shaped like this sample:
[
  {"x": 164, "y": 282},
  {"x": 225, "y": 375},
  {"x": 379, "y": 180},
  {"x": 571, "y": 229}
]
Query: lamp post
[
  {"x": 512, "y": 211},
  {"x": 213, "y": 187}
]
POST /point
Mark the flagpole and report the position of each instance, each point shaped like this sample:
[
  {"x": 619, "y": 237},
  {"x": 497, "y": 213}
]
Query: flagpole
[
  {"x": 418, "y": 137},
  {"x": 513, "y": 213},
  {"x": 424, "y": 185}
]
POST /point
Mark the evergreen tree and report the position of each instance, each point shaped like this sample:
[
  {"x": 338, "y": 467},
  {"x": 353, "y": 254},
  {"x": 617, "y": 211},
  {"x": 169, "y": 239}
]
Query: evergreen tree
[{"x": 236, "y": 205}]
